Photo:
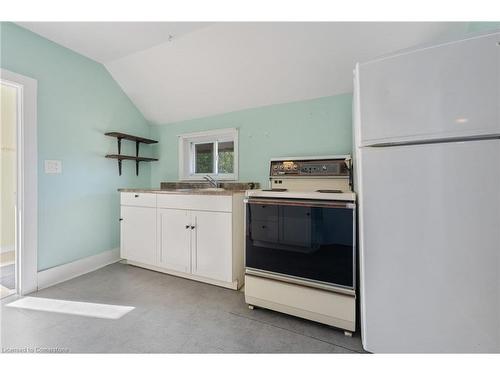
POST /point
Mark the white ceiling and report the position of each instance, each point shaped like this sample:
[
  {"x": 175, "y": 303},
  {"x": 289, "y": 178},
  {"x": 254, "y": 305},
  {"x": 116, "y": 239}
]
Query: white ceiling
[
  {"x": 223, "y": 67},
  {"x": 107, "y": 41}
]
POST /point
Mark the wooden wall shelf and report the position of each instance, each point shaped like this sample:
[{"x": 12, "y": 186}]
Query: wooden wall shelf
[
  {"x": 127, "y": 157},
  {"x": 129, "y": 137},
  {"x": 138, "y": 140}
]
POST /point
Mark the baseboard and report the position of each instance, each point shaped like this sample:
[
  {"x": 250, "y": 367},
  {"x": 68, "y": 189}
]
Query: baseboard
[{"x": 58, "y": 274}]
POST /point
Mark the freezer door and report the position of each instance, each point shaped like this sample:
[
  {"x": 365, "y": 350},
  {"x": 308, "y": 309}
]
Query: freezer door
[
  {"x": 451, "y": 90},
  {"x": 430, "y": 245}
]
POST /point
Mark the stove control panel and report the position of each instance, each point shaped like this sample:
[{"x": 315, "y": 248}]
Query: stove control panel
[{"x": 323, "y": 168}]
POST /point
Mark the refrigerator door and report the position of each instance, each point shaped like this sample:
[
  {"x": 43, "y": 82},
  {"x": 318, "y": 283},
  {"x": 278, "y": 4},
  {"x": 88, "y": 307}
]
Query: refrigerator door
[
  {"x": 430, "y": 247},
  {"x": 450, "y": 90}
]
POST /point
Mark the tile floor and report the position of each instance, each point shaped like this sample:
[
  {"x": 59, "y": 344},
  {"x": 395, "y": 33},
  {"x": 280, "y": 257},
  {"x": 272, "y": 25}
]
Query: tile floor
[{"x": 171, "y": 315}]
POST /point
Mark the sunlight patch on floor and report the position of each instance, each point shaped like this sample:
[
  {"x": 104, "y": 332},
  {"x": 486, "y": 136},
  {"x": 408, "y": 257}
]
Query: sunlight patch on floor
[{"x": 95, "y": 310}]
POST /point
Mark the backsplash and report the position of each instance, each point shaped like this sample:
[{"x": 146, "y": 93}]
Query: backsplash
[{"x": 203, "y": 185}]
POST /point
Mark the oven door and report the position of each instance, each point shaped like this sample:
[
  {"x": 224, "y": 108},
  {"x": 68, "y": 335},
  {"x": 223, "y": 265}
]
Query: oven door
[{"x": 302, "y": 239}]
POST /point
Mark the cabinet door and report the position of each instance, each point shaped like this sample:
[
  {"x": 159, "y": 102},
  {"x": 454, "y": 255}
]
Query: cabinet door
[
  {"x": 138, "y": 234},
  {"x": 174, "y": 239},
  {"x": 212, "y": 245}
]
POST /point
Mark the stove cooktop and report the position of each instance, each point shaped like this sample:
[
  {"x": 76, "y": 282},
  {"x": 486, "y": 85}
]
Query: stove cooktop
[{"x": 294, "y": 194}]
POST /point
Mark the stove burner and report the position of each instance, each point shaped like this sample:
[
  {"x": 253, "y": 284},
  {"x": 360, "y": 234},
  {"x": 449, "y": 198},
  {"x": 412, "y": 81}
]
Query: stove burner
[
  {"x": 328, "y": 191},
  {"x": 275, "y": 189}
]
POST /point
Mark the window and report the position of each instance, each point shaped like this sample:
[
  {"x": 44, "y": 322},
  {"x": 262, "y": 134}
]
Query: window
[{"x": 213, "y": 153}]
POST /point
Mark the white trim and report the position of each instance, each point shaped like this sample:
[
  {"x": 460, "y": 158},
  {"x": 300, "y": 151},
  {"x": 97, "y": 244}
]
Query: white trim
[
  {"x": 208, "y": 133},
  {"x": 27, "y": 186},
  {"x": 58, "y": 274},
  {"x": 184, "y": 153}
]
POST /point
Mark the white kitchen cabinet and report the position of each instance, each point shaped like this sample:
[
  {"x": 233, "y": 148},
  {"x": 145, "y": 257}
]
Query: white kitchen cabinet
[
  {"x": 211, "y": 245},
  {"x": 194, "y": 236},
  {"x": 138, "y": 234},
  {"x": 174, "y": 239}
]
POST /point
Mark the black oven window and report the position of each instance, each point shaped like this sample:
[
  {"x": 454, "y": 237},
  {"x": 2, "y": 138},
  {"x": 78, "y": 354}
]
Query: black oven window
[{"x": 314, "y": 243}]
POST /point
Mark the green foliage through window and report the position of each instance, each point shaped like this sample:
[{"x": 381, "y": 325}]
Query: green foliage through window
[
  {"x": 204, "y": 157},
  {"x": 226, "y": 157}
]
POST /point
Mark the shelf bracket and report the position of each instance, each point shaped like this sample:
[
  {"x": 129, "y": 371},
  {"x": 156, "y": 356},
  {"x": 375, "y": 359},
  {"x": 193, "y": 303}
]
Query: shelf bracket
[{"x": 138, "y": 140}]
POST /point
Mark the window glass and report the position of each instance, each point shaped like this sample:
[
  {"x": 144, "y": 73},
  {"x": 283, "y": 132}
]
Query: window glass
[
  {"x": 213, "y": 152},
  {"x": 204, "y": 157},
  {"x": 226, "y": 157}
]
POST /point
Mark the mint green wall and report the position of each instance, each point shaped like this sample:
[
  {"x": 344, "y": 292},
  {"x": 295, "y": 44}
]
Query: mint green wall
[
  {"x": 483, "y": 26},
  {"x": 78, "y": 101},
  {"x": 313, "y": 127}
]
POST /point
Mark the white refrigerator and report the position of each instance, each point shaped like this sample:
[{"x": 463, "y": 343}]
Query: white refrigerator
[{"x": 427, "y": 148}]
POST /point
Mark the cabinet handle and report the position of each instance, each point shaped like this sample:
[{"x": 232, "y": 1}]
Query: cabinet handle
[
  {"x": 264, "y": 227},
  {"x": 121, "y": 219},
  {"x": 136, "y": 195},
  {"x": 192, "y": 227},
  {"x": 187, "y": 226}
]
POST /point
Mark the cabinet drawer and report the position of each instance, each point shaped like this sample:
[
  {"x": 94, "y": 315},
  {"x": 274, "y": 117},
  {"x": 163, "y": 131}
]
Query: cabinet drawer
[
  {"x": 138, "y": 199},
  {"x": 196, "y": 202}
]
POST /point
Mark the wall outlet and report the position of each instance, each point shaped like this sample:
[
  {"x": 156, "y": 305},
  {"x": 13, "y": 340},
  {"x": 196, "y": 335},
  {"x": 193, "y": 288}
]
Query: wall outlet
[{"x": 53, "y": 166}]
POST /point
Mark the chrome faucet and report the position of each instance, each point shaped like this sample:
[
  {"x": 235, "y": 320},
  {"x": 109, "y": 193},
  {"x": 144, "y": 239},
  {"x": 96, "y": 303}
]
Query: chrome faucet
[{"x": 211, "y": 181}]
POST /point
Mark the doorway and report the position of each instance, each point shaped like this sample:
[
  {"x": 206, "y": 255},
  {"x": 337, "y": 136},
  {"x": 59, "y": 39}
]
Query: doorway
[
  {"x": 8, "y": 187},
  {"x": 18, "y": 184}
]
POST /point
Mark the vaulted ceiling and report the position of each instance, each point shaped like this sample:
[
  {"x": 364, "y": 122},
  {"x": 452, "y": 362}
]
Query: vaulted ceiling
[{"x": 179, "y": 71}]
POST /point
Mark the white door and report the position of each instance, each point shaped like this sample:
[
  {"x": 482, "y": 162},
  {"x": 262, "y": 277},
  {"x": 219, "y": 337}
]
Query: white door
[
  {"x": 212, "y": 245},
  {"x": 138, "y": 234},
  {"x": 430, "y": 253},
  {"x": 451, "y": 90},
  {"x": 174, "y": 238}
]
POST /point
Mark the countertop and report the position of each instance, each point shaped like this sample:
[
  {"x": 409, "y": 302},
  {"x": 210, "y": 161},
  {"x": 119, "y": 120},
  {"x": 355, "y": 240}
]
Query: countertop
[{"x": 184, "y": 191}]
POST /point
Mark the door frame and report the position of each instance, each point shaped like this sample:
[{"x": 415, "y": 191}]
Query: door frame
[{"x": 27, "y": 180}]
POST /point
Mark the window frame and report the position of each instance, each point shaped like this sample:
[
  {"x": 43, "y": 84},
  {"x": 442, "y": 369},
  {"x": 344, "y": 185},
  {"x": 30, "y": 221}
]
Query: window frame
[{"x": 187, "y": 143}]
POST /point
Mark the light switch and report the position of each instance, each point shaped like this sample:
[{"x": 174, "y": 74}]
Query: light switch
[{"x": 53, "y": 166}]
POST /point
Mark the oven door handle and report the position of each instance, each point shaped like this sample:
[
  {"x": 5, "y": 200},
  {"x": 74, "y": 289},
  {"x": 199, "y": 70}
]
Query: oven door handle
[{"x": 301, "y": 203}]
